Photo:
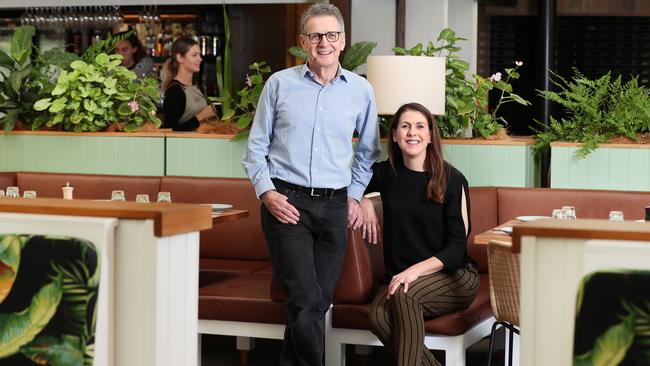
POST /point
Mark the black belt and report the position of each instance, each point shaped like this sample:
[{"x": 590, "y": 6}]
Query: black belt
[{"x": 309, "y": 191}]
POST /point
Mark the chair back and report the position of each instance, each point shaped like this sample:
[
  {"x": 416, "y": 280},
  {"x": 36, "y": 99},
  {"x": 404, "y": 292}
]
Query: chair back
[{"x": 505, "y": 281}]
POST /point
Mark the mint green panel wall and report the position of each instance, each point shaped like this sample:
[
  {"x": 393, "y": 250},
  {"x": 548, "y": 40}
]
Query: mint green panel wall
[
  {"x": 604, "y": 168},
  {"x": 494, "y": 165},
  {"x": 83, "y": 154},
  {"x": 209, "y": 157}
]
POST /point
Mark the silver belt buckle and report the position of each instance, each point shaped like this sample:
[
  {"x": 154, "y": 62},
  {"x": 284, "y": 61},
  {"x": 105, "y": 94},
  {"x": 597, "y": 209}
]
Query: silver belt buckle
[{"x": 314, "y": 194}]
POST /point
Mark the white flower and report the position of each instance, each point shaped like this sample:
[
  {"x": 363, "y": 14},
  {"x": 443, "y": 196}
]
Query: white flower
[
  {"x": 496, "y": 77},
  {"x": 519, "y": 63}
]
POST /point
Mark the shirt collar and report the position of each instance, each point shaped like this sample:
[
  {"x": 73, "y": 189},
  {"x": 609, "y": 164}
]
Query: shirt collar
[{"x": 341, "y": 73}]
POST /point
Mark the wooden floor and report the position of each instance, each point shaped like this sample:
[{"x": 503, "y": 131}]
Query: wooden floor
[{"x": 220, "y": 351}]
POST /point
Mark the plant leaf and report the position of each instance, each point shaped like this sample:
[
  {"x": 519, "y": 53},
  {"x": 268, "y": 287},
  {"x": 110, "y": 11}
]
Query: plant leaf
[
  {"x": 18, "y": 329},
  {"x": 298, "y": 52},
  {"x": 357, "y": 55},
  {"x": 21, "y": 43},
  {"x": 10, "y": 246},
  {"x": 49, "y": 350},
  {"x": 9, "y": 120},
  {"x": 610, "y": 348}
]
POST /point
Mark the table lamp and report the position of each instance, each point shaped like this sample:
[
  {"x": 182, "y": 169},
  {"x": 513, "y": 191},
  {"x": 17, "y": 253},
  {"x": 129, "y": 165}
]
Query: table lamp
[{"x": 398, "y": 80}]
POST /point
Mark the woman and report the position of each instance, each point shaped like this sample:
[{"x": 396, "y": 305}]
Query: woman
[
  {"x": 134, "y": 55},
  {"x": 426, "y": 223},
  {"x": 184, "y": 106}
]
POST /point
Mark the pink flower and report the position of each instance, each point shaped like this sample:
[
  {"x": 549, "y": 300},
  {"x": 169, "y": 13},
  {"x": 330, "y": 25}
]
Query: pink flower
[
  {"x": 134, "y": 106},
  {"x": 496, "y": 77},
  {"x": 519, "y": 63}
]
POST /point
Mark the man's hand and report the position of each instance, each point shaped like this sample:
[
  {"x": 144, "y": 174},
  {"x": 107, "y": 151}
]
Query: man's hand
[
  {"x": 371, "y": 229},
  {"x": 355, "y": 216},
  {"x": 279, "y": 207}
]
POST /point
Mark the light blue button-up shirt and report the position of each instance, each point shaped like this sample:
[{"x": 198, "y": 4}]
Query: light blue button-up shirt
[{"x": 302, "y": 132}]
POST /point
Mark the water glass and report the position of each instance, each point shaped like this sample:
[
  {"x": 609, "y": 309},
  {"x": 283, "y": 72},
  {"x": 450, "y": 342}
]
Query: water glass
[
  {"x": 142, "y": 198},
  {"x": 569, "y": 212},
  {"x": 13, "y": 192},
  {"x": 615, "y": 215},
  {"x": 29, "y": 194},
  {"x": 558, "y": 214},
  {"x": 118, "y": 195},
  {"x": 164, "y": 197}
]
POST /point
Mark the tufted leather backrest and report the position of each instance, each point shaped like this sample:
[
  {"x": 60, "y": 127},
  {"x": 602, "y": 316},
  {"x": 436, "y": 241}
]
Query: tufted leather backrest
[
  {"x": 88, "y": 186},
  {"x": 240, "y": 239}
]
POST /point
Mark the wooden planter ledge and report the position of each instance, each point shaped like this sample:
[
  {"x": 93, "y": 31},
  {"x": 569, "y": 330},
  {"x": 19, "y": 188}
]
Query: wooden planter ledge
[{"x": 169, "y": 219}]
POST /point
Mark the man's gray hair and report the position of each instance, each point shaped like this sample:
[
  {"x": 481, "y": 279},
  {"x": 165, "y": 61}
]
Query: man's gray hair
[{"x": 321, "y": 10}]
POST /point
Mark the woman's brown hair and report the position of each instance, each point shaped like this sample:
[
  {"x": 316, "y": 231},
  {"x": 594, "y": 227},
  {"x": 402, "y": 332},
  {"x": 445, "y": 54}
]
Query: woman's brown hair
[
  {"x": 180, "y": 47},
  {"x": 434, "y": 162}
]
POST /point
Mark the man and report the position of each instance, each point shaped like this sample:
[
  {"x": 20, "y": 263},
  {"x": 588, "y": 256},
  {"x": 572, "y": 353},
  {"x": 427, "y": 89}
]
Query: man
[{"x": 298, "y": 158}]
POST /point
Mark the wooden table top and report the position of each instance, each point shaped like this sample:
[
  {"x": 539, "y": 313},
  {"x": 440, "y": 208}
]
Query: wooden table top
[
  {"x": 583, "y": 228},
  {"x": 169, "y": 219},
  {"x": 492, "y": 234},
  {"x": 228, "y": 215}
]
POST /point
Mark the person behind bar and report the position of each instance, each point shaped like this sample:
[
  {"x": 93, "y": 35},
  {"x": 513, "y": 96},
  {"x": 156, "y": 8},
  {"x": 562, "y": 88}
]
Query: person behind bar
[
  {"x": 134, "y": 55},
  {"x": 184, "y": 105},
  {"x": 298, "y": 158},
  {"x": 426, "y": 224}
]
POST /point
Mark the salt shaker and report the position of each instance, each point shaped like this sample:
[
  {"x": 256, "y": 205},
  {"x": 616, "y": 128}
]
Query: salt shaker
[{"x": 67, "y": 191}]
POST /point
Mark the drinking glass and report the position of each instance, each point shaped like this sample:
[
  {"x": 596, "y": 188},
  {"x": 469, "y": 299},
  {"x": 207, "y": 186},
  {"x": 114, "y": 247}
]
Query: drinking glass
[
  {"x": 569, "y": 212},
  {"x": 142, "y": 198},
  {"x": 118, "y": 195},
  {"x": 558, "y": 214},
  {"x": 29, "y": 194},
  {"x": 164, "y": 197},
  {"x": 13, "y": 192},
  {"x": 615, "y": 215},
  {"x": 2, "y": 192}
]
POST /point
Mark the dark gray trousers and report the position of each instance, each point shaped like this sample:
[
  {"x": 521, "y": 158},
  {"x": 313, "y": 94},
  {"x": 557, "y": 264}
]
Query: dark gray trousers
[{"x": 307, "y": 260}]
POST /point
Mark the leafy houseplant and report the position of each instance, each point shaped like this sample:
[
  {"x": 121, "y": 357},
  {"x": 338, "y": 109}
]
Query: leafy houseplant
[
  {"x": 94, "y": 95},
  {"x": 596, "y": 111},
  {"x": 244, "y": 109},
  {"x": 467, "y": 101},
  {"x": 27, "y": 81}
]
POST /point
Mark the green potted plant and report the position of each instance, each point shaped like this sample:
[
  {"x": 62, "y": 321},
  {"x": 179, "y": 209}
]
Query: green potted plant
[
  {"x": 27, "y": 75},
  {"x": 598, "y": 142},
  {"x": 467, "y": 100},
  {"x": 97, "y": 92}
]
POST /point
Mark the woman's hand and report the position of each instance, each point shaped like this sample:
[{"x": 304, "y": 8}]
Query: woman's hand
[
  {"x": 206, "y": 112},
  {"x": 424, "y": 268},
  {"x": 371, "y": 229},
  {"x": 403, "y": 279}
]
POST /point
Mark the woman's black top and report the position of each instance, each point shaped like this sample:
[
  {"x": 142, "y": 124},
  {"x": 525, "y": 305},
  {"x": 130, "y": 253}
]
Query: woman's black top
[
  {"x": 416, "y": 228},
  {"x": 175, "y": 107}
]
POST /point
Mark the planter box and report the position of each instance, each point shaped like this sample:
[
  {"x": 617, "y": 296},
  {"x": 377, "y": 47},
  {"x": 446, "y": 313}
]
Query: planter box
[
  {"x": 503, "y": 163},
  {"x": 611, "y": 166},
  {"x": 86, "y": 153}
]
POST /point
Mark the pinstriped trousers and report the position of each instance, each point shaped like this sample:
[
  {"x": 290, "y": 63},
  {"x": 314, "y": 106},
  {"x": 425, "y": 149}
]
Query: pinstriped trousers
[{"x": 398, "y": 322}]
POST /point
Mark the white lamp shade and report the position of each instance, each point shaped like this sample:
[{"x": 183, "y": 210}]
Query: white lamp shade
[{"x": 398, "y": 80}]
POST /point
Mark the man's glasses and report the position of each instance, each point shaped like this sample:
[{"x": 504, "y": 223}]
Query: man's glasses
[{"x": 329, "y": 36}]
